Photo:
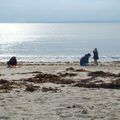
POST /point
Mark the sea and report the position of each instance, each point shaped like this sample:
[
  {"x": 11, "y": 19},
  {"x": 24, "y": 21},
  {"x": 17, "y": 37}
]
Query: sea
[{"x": 59, "y": 42}]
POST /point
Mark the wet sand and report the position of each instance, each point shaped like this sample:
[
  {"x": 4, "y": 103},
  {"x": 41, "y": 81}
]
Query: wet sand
[{"x": 60, "y": 91}]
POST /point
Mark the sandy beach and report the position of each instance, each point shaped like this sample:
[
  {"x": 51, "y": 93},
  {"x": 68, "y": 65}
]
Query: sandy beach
[{"x": 60, "y": 91}]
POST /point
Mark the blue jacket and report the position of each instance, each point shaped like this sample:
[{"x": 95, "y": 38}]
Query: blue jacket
[{"x": 85, "y": 60}]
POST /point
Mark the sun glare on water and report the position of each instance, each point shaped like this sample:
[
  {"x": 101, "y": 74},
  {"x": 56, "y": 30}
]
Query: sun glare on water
[
  {"x": 7, "y": 28},
  {"x": 13, "y": 33}
]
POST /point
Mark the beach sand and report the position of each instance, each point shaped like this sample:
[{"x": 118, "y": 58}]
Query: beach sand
[{"x": 60, "y": 91}]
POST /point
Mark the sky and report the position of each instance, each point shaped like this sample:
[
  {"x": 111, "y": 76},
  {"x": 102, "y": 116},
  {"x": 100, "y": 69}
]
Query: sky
[{"x": 59, "y": 10}]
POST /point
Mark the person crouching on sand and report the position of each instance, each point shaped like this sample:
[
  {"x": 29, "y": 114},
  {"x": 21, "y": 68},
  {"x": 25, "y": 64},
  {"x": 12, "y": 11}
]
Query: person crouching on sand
[
  {"x": 12, "y": 62},
  {"x": 84, "y": 61},
  {"x": 95, "y": 56}
]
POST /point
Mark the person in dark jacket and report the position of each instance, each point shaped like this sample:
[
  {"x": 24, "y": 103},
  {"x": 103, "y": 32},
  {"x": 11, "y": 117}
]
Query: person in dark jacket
[
  {"x": 95, "y": 56},
  {"x": 12, "y": 62},
  {"x": 85, "y": 59}
]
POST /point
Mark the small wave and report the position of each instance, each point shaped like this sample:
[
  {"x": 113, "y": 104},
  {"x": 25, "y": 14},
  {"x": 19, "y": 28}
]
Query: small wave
[{"x": 31, "y": 58}]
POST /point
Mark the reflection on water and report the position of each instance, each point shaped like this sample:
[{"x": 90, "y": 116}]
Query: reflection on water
[{"x": 66, "y": 41}]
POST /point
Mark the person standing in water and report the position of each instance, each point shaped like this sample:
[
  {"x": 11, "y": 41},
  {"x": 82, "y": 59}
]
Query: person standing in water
[{"x": 95, "y": 56}]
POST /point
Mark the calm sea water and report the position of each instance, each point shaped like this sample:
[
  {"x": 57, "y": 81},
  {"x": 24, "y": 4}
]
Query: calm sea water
[{"x": 59, "y": 41}]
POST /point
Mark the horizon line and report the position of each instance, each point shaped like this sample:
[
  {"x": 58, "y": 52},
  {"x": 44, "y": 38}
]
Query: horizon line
[{"x": 64, "y": 22}]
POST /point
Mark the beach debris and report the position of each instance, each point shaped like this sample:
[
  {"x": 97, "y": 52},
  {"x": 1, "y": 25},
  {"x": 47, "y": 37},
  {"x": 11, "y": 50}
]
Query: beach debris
[
  {"x": 31, "y": 88},
  {"x": 2, "y": 74},
  {"x": 70, "y": 69},
  {"x": 81, "y": 70},
  {"x": 66, "y": 74},
  {"x": 77, "y": 70},
  {"x": 94, "y": 79},
  {"x": 111, "y": 85},
  {"x": 44, "y": 78},
  {"x": 5, "y": 85},
  {"x": 45, "y": 89},
  {"x": 62, "y": 85},
  {"x": 102, "y": 74},
  {"x": 78, "y": 106},
  {"x": 74, "y": 106},
  {"x": 29, "y": 72},
  {"x": 84, "y": 111},
  {"x": 84, "y": 80},
  {"x": 4, "y": 117},
  {"x": 116, "y": 82},
  {"x": 4, "y": 82},
  {"x": 66, "y": 81},
  {"x": 9, "y": 85},
  {"x": 99, "y": 81}
]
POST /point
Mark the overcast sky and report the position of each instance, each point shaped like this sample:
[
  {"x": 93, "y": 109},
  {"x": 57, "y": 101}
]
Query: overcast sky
[{"x": 59, "y": 10}]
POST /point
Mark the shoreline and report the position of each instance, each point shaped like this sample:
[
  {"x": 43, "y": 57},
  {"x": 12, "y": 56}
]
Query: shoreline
[
  {"x": 57, "y": 62},
  {"x": 57, "y": 59}
]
